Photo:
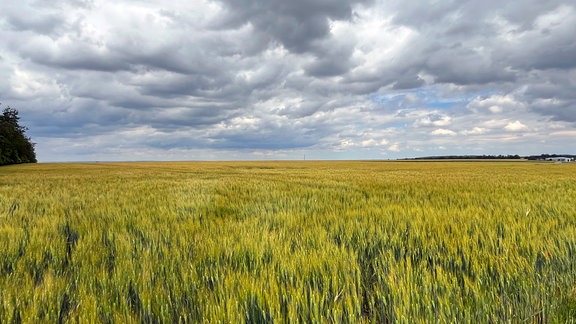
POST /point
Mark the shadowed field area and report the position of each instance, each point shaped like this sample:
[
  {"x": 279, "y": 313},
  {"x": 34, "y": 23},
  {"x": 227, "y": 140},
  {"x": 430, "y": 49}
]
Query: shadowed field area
[{"x": 288, "y": 242}]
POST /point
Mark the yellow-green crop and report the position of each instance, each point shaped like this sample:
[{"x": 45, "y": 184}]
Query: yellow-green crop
[{"x": 288, "y": 242}]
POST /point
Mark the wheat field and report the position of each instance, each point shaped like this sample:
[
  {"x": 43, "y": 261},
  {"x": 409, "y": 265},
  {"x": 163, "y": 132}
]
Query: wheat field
[{"x": 321, "y": 242}]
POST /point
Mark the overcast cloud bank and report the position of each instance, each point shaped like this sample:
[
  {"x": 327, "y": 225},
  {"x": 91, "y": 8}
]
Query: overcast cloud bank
[{"x": 272, "y": 79}]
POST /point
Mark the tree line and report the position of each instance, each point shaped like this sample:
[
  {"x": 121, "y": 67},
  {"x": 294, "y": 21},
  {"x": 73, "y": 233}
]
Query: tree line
[
  {"x": 492, "y": 157},
  {"x": 15, "y": 146},
  {"x": 469, "y": 157}
]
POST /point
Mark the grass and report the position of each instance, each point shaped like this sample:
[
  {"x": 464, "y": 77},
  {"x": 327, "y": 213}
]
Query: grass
[{"x": 288, "y": 242}]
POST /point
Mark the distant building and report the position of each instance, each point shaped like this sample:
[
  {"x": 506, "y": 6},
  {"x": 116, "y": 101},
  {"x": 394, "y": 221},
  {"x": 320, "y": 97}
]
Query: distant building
[{"x": 559, "y": 159}]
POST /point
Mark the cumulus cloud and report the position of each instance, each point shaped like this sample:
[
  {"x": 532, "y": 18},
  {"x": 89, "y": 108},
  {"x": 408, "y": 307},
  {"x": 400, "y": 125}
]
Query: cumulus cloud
[
  {"x": 223, "y": 79},
  {"x": 297, "y": 25},
  {"x": 434, "y": 119},
  {"x": 496, "y": 104},
  {"x": 443, "y": 131},
  {"x": 474, "y": 131},
  {"x": 394, "y": 148},
  {"x": 515, "y": 126}
]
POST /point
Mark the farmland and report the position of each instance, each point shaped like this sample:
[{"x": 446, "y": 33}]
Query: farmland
[{"x": 288, "y": 242}]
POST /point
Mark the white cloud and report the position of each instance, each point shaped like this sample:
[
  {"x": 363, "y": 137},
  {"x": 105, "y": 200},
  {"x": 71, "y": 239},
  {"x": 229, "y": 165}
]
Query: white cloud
[
  {"x": 344, "y": 144},
  {"x": 515, "y": 126},
  {"x": 474, "y": 131},
  {"x": 368, "y": 143},
  {"x": 443, "y": 132},
  {"x": 496, "y": 104},
  {"x": 565, "y": 133},
  {"x": 495, "y": 123},
  {"x": 29, "y": 84}
]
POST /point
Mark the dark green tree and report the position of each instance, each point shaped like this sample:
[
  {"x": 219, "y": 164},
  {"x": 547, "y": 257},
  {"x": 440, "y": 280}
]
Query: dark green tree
[{"x": 15, "y": 146}]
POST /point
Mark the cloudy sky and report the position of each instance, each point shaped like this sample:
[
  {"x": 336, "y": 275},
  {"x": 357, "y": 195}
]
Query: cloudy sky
[{"x": 275, "y": 79}]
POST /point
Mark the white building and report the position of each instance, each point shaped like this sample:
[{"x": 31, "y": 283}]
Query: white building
[{"x": 559, "y": 159}]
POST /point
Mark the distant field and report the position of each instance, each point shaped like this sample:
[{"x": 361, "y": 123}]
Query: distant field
[{"x": 288, "y": 242}]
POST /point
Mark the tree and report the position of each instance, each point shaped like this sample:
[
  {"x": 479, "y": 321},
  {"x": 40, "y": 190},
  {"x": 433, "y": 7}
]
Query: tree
[{"x": 15, "y": 146}]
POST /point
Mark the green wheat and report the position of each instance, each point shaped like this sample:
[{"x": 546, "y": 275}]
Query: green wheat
[{"x": 288, "y": 242}]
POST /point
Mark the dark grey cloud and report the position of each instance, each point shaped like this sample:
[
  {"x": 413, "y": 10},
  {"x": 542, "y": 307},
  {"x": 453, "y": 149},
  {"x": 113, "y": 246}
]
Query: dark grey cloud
[
  {"x": 40, "y": 23},
  {"x": 548, "y": 46},
  {"x": 552, "y": 93},
  {"x": 295, "y": 24},
  {"x": 265, "y": 139},
  {"x": 463, "y": 65}
]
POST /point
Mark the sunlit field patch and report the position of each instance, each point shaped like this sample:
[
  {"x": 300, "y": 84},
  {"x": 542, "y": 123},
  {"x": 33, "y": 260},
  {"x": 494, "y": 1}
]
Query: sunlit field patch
[{"x": 288, "y": 242}]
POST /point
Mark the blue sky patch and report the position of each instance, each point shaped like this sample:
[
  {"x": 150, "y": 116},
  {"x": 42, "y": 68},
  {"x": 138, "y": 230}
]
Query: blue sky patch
[{"x": 427, "y": 97}]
